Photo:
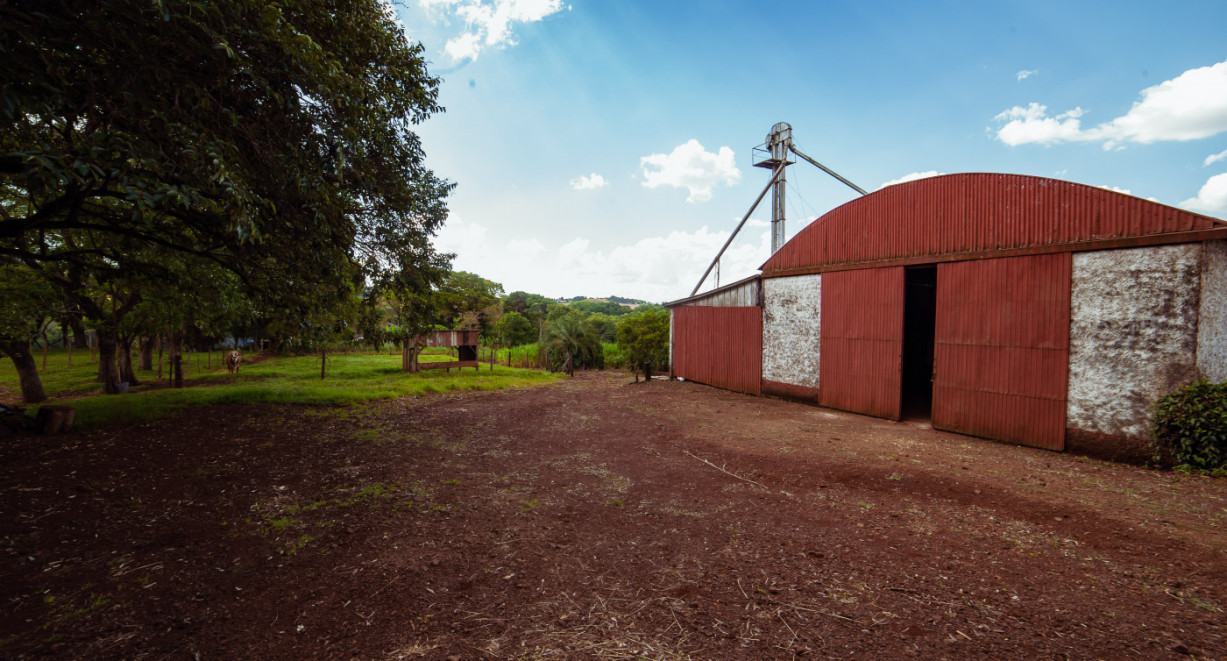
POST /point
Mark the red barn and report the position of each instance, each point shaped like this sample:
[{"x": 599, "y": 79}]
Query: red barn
[{"x": 1017, "y": 308}]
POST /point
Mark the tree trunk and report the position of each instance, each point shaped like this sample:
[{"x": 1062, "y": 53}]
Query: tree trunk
[
  {"x": 69, "y": 354},
  {"x": 323, "y": 363},
  {"x": 78, "y": 331},
  {"x": 125, "y": 362},
  {"x": 160, "y": 347},
  {"x": 46, "y": 345},
  {"x": 145, "y": 362},
  {"x": 107, "y": 345},
  {"x": 176, "y": 359},
  {"x": 27, "y": 371},
  {"x": 647, "y": 371}
]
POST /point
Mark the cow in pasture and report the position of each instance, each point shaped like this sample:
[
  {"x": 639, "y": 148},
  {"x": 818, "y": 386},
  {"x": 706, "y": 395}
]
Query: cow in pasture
[{"x": 233, "y": 360}]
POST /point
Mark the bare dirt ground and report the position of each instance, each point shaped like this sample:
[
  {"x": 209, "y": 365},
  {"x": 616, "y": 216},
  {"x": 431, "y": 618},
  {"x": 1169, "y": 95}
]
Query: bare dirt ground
[{"x": 595, "y": 518}]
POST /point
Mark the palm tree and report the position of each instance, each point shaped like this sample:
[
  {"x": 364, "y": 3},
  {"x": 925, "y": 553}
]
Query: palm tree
[{"x": 569, "y": 341}]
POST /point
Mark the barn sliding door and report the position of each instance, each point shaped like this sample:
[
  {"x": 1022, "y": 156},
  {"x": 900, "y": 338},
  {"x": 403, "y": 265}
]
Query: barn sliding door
[
  {"x": 1001, "y": 358},
  {"x": 721, "y": 347},
  {"x": 861, "y": 354}
]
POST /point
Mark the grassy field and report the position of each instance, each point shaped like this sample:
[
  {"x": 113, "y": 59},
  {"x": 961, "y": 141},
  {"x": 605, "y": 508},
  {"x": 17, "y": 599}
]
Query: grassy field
[{"x": 351, "y": 379}]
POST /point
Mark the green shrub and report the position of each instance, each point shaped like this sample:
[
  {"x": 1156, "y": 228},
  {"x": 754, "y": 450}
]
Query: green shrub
[
  {"x": 1191, "y": 423},
  {"x": 615, "y": 358},
  {"x": 644, "y": 338}
]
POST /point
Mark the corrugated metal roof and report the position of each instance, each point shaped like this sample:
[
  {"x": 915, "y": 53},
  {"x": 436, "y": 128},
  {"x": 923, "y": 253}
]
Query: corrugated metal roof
[
  {"x": 745, "y": 293},
  {"x": 971, "y": 214}
]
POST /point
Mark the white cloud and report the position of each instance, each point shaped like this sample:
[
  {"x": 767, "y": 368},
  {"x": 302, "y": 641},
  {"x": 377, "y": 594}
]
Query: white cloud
[
  {"x": 1214, "y": 158},
  {"x": 490, "y": 23},
  {"x": 526, "y": 248},
  {"x": 590, "y": 182},
  {"x": 1190, "y": 106},
  {"x": 1032, "y": 124},
  {"x": 1025, "y": 74},
  {"x": 457, "y": 234},
  {"x": 662, "y": 268},
  {"x": 911, "y": 177},
  {"x": 657, "y": 268},
  {"x": 1212, "y": 197},
  {"x": 464, "y": 47},
  {"x": 692, "y": 167}
]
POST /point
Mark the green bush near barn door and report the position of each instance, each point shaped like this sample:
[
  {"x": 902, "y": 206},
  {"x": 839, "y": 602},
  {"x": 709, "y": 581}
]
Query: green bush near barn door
[{"x": 1191, "y": 423}]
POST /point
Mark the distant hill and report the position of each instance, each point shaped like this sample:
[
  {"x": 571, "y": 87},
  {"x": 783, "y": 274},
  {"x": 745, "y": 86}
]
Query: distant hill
[{"x": 631, "y": 303}]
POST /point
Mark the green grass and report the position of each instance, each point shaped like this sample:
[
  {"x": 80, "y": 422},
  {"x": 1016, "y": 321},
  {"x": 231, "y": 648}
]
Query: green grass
[
  {"x": 351, "y": 379},
  {"x": 526, "y": 355}
]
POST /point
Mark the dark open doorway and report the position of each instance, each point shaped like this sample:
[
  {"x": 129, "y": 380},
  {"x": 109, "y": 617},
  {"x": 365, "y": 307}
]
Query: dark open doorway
[{"x": 919, "y": 321}]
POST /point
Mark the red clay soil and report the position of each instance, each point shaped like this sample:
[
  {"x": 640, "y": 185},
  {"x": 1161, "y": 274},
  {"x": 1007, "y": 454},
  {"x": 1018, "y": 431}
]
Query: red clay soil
[{"x": 594, "y": 518}]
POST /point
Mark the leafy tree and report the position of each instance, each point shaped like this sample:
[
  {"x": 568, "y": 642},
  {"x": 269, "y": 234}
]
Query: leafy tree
[
  {"x": 468, "y": 300},
  {"x": 534, "y": 307},
  {"x": 568, "y": 341},
  {"x": 25, "y": 300},
  {"x": 606, "y": 326},
  {"x": 412, "y": 298},
  {"x": 644, "y": 338},
  {"x": 272, "y": 137},
  {"x": 513, "y": 330}
]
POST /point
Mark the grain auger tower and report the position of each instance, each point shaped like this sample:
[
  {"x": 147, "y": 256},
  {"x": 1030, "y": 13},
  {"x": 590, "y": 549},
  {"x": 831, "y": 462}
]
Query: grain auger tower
[{"x": 775, "y": 155}]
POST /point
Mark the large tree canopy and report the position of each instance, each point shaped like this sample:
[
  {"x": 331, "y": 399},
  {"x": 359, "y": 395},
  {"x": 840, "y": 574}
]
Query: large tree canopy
[{"x": 270, "y": 136}]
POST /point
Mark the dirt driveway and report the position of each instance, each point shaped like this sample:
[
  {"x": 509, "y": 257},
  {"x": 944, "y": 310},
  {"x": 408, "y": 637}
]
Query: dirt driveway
[{"x": 595, "y": 518}]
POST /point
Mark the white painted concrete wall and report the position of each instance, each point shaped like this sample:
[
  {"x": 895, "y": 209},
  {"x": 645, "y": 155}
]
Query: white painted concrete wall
[
  {"x": 1212, "y": 318},
  {"x": 792, "y": 321},
  {"x": 1133, "y": 334}
]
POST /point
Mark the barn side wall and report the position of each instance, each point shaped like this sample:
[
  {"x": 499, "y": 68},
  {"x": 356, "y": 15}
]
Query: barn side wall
[
  {"x": 1212, "y": 321},
  {"x": 1132, "y": 339},
  {"x": 792, "y": 323}
]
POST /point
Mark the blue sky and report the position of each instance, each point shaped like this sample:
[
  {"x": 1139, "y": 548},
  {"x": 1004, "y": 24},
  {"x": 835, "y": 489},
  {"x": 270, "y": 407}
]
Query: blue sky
[{"x": 605, "y": 147}]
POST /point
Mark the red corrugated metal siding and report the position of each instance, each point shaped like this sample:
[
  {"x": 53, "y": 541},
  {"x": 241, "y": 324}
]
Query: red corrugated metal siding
[
  {"x": 970, "y": 213},
  {"x": 721, "y": 347},
  {"x": 862, "y": 341},
  {"x": 1001, "y": 358}
]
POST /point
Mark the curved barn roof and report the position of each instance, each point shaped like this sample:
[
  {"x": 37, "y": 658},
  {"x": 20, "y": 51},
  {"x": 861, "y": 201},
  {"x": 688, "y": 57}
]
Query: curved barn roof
[{"x": 970, "y": 216}]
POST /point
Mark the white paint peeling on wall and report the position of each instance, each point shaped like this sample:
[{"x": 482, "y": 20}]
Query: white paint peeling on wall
[
  {"x": 1132, "y": 334},
  {"x": 1212, "y": 319},
  {"x": 792, "y": 309}
]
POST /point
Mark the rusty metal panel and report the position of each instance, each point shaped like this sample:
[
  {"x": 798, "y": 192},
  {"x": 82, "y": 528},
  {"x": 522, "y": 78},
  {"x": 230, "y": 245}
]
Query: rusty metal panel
[
  {"x": 1001, "y": 354},
  {"x": 861, "y": 354},
  {"x": 719, "y": 346},
  {"x": 966, "y": 214}
]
